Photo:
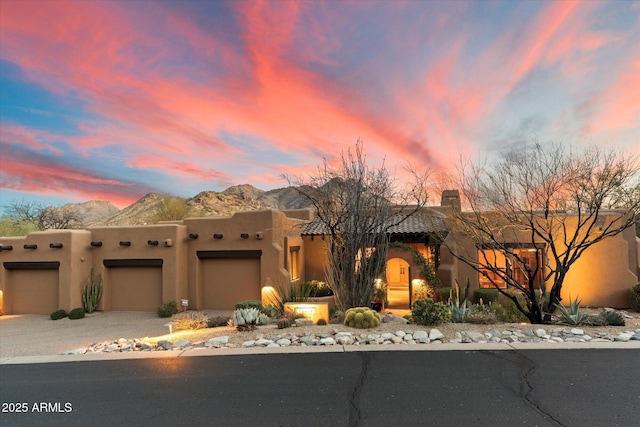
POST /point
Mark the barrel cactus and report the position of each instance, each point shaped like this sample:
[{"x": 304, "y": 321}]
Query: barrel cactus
[
  {"x": 284, "y": 323},
  {"x": 361, "y": 318}
]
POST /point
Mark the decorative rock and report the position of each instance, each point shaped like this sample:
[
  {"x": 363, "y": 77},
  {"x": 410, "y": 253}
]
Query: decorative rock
[
  {"x": 435, "y": 334},
  {"x": 219, "y": 340},
  {"x": 577, "y": 331},
  {"x": 248, "y": 344},
  {"x": 181, "y": 343},
  {"x": 283, "y": 342},
  {"x": 303, "y": 322},
  {"x": 164, "y": 344},
  {"x": 624, "y": 337},
  {"x": 420, "y": 335},
  {"x": 328, "y": 341},
  {"x": 262, "y": 342}
]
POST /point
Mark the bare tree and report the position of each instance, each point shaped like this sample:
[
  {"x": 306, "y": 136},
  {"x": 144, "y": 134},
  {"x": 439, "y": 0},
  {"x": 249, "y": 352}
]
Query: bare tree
[
  {"x": 43, "y": 217},
  {"x": 355, "y": 205},
  {"x": 543, "y": 200}
]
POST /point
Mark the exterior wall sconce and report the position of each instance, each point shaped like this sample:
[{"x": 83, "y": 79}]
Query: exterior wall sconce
[
  {"x": 55, "y": 245},
  {"x": 217, "y": 236},
  {"x": 125, "y": 243},
  {"x": 152, "y": 242},
  {"x": 96, "y": 244},
  {"x": 244, "y": 235},
  {"x": 30, "y": 246},
  {"x": 193, "y": 235},
  {"x": 259, "y": 235},
  {"x": 6, "y": 248}
]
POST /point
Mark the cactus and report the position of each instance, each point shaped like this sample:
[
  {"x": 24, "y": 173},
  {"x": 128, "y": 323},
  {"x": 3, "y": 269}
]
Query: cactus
[
  {"x": 246, "y": 319},
  {"x": 321, "y": 322},
  {"x": 263, "y": 319},
  {"x": 361, "y": 318},
  {"x": 92, "y": 292},
  {"x": 284, "y": 323}
]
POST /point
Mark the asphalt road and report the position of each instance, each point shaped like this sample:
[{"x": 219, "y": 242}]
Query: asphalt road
[{"x": 586, "y": 387}]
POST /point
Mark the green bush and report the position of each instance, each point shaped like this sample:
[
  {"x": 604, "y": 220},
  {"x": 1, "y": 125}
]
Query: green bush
[
  {"x": 605, "y": 318},
  {"x": 250, "y": 303},
  {"x": 168, "y": 309},
  {"x": 59, "y": 314},
  {"x": 76, "y": 313},
  {"x": 190, "y": 320},
  {"x": 317, "y": 288},
  {"x": 215, "y": 322},
  {"x": 427, "y": 312},
  {"x": 488, "y": 296},
  {"x": 482, "y": 314},
  {"x": 507, "y": 312},
  {"x": 361, "y": 318},
  {"x": 634, "y": 297}
]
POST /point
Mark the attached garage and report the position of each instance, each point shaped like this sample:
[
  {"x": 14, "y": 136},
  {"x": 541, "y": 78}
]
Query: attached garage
[
  {"x": 135, "y": 285},
  {"x": 227, "y": 277},
  {"x": 32, "y": 287}
]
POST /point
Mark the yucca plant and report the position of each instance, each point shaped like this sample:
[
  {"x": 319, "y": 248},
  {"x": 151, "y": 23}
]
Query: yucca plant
[{"x": 573, "y": 315}]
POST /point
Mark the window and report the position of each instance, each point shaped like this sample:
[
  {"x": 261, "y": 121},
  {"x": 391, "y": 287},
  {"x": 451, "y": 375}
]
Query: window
[
  {"x": 294, "y": 262},
  {"x": 495, "y": 266}
]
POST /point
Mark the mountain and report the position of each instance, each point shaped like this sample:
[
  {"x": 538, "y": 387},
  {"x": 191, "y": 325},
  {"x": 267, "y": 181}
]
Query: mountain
[
  {"x": 243, "y": 197},
  {"x": 92, "y": 210}
]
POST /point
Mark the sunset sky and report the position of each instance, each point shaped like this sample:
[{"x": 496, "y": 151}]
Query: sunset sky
[{"x": 111, "y": 100}]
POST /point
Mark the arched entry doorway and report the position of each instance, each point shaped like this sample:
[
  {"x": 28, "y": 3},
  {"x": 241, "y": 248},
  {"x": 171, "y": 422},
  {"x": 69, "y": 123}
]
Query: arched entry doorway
[{"x": 397, "y": 273}]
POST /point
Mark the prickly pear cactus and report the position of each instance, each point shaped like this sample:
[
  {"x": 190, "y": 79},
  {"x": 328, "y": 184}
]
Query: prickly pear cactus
[{"x": 361, "y": 318}]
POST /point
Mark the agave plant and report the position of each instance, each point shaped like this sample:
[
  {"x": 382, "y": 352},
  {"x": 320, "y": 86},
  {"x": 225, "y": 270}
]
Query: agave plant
[
  {"x": 573, "y": 315},
  {"x": 458, "y": 306}
]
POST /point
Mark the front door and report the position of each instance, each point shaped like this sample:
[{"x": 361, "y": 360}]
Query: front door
[{"x": 398, "y": 283}]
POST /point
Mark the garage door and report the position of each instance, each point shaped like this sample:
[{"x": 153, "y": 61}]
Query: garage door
[
  {"x": 136, "y": 288},
  {"x": 33, "y": 291},
  {"x": 226, "y": 281}
]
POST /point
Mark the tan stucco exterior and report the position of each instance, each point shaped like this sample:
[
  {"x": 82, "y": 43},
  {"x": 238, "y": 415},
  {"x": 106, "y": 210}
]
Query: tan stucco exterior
[{"x": 214, "y": 262}]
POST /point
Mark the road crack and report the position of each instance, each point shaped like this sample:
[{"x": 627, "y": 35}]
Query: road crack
[
  {"x": 528, "y": 368},
  {"x": 355, "y": 413}
]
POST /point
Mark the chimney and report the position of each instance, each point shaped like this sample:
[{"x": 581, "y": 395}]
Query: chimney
[{"x": 451, "y": 198}]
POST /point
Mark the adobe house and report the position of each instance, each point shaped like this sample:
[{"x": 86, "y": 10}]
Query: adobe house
[
  {"x": 214, "y": 262},
  {"x": 210, "y": 263}
]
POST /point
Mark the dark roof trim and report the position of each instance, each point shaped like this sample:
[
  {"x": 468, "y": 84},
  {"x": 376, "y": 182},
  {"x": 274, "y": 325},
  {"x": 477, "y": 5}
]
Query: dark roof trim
[
  {"x": 28, "y": 265},
  {"x": 229, "y": 254},
  {"x": 133, "y": 262}
]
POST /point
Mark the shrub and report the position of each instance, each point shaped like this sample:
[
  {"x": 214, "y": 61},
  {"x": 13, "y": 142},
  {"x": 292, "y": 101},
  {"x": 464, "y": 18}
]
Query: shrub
[
  {"x": 488, "y": 296},
  {"x": 59, "y": 314},
  {"x": 507, "y": 312},
  {"x": 482, "y": 314},
  {"x": 361, "y": 318},
  {"x": 190, "y": 320},
  {"x": 168, "y": 309},
  {"x": 250, "y": 303},
  {"x": 317, "y": 288},
  {"x": 321, "y": 322},
  {"x": 215, "y": 322},
  {"x": 427, "y": 312},
  {"x": 76, "y": 313},
  {"x": 458, "y": 304},
  {"x": 634, "y": 297},
  {"x": 612, "y": 317},
  {"x": 92, "y": 292}
]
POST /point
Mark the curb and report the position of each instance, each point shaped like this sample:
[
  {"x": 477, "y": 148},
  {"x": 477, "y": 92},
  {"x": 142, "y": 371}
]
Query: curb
[{"x": 97, "y": 357}]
